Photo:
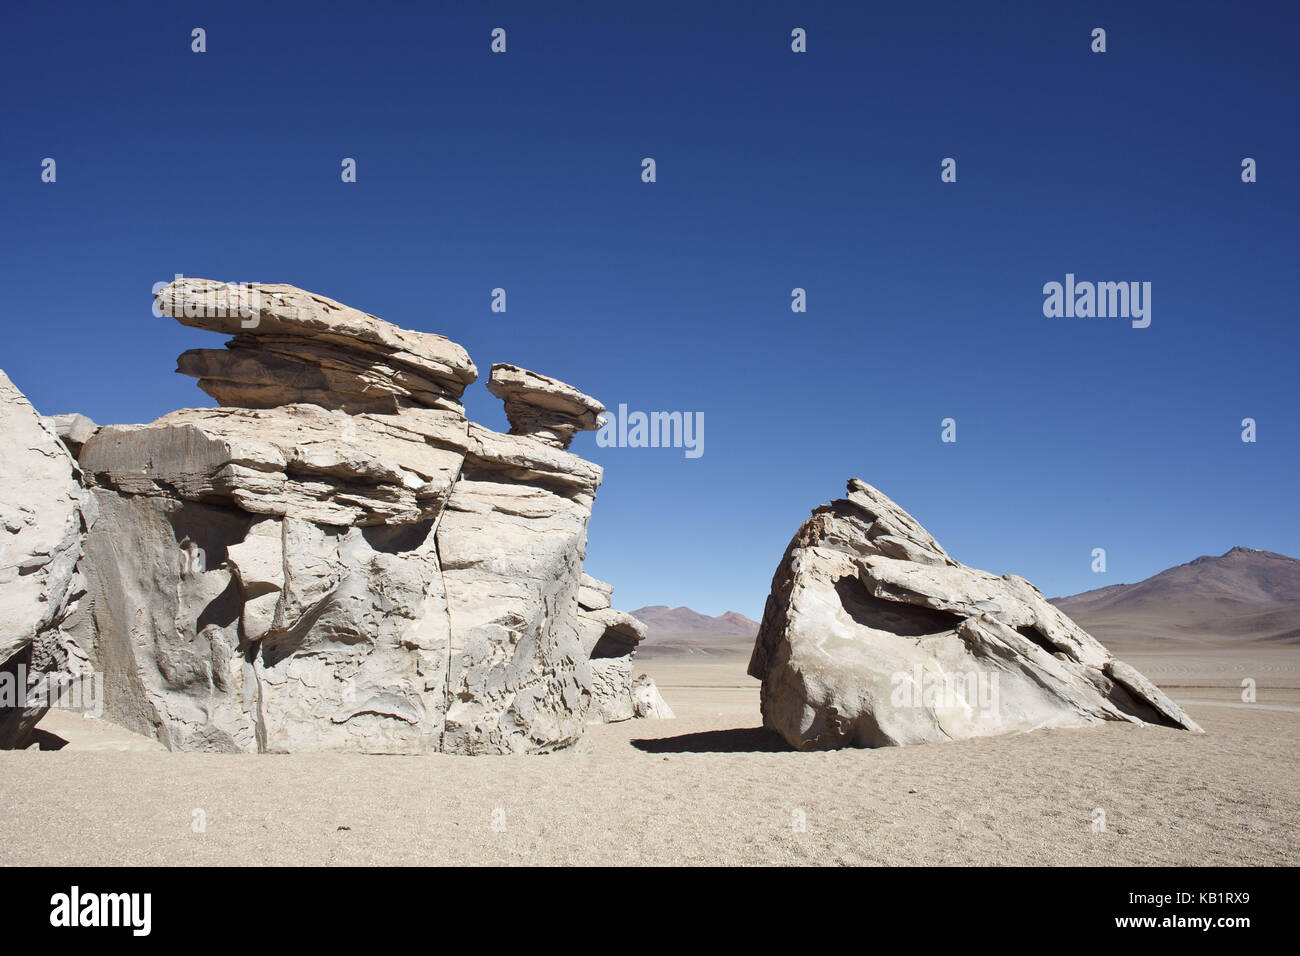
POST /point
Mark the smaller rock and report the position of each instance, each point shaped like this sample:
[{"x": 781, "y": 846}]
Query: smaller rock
[
  {"x": 542, "y": 407},
  {"x": 594, "y": 595},
  {"x": 610, "y": 639},
  {"x": 74, "y": 429},
  {"x": 648, "y": 702}
]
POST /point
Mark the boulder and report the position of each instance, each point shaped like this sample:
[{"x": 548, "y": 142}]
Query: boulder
[
  {"x": 74, "y": 429},
  {"x": 648, "y": 702},
  {"x": 873, "y": 636},
  {"x": 45, "y": 512}
]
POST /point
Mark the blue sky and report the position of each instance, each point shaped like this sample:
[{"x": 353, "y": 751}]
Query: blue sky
[{"x": 775, "y": 170}]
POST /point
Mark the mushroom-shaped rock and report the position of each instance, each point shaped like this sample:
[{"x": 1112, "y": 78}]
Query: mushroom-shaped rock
[{"x": 542, "y": 407}]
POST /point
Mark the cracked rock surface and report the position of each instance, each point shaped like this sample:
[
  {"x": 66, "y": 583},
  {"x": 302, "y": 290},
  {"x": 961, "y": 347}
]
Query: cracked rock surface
[
  {"x": 45, "y": 512},
  {"x": 873, "y": 636}
]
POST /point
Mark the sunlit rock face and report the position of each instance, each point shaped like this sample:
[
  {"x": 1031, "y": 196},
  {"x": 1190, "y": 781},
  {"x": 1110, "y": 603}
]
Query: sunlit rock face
[
  {"x": 45, "y": 511},
  {"x": 336, "y": 558},
  {"x": 873, "y": 636}
]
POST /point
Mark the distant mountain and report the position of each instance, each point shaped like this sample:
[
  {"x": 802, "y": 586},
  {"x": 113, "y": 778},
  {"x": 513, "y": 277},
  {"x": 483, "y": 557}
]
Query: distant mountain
[
  {"x": 1241, "y": 597},
  {"x": 679, "y": 632},
  {"x": 663, "y": 621}
]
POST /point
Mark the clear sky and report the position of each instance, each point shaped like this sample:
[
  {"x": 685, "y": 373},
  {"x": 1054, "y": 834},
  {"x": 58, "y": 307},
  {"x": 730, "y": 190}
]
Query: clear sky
[{"x": 775, "y": 170}]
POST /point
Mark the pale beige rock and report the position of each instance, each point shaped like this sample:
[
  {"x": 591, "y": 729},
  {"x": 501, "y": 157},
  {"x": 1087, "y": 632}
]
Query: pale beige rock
[
  {"x": 610, "y": 638},
  {"x": 299, "y": 461},
  {"x": 544, "y": 408},
  {"x": 873, "y": 636},
  {"x": 512, "y": 540},
  {"x": 74, "y": 429},
  {"x": 647, "y": 702},
  {"x": 355, "y": 566},
  {"x": 293, "y": 346},
  {"x": 44, "y": 514},
  {"x": 594, "y": 595}
]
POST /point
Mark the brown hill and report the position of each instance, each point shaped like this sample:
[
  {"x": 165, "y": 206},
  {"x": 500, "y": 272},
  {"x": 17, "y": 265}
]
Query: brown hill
[
  {"x": 1241, "y": 597},
  {"x": 681, "y": 630}
]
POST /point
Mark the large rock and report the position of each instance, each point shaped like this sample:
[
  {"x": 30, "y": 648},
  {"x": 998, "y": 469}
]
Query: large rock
[
  {"x": 44, "y": 514},
  {"x": 873, "y": 636},
  {"x": 336, "y": 559}
]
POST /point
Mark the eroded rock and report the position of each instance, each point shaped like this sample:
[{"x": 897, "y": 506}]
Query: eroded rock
[
  {"x": 610, "y": 638},
  {"x": 335, "y": 558},
  {"x": 292, "y": 346},
  {"x": 873, "y": 635},
  {"x": 544, "y": 408},
  {"x": 44, "y": 514}
]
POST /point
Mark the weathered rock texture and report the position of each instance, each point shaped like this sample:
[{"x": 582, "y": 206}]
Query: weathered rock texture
[
  {"x": 872, "y": 635},
  {"x": 335, "y": 558},
  {"x": 294, "y": 346},
  {"x": 610, "y": 639},
  {"x": 44, "y": 514},
  {"x": 73, "y": 429},
  {"x": 542, "y": 407}
]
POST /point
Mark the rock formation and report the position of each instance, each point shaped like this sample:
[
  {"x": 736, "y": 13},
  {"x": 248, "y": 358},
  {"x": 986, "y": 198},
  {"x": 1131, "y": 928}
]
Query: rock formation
[
  {"x": 73, "y": 429},
  {"x": 610, "y": 640},
  {"x": 873, "y": 636},
  {"x": 44, "y": 513},
  {"x": 336, "y": 558},
  {"x": 543, "y": 408}
]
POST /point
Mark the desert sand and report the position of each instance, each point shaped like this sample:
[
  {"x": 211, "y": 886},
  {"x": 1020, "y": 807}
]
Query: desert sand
[{"x": 710, "y": 787}]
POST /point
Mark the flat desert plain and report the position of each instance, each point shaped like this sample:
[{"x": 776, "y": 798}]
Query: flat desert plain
[{"x": 710, "y": 787}]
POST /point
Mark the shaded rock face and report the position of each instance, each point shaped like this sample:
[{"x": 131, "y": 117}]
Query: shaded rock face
[
  {"x": 44, "y": 515},
  {"x": 873, "y": 636},
  {"x": 335, "y": 559}
]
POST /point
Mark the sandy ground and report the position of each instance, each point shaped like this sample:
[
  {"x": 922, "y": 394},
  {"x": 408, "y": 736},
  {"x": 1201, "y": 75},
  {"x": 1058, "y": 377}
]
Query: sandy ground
[{"x": 707, "y": 788}]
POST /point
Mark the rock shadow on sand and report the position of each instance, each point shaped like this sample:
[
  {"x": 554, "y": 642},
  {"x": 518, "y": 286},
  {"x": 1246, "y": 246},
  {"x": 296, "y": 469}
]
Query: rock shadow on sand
[{"x": 734, "y": 740}]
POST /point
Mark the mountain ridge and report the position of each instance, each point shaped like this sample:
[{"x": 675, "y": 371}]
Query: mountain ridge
[
  {"x": 663, "y": 621},
  {"x": 1243, "y": 596}
]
